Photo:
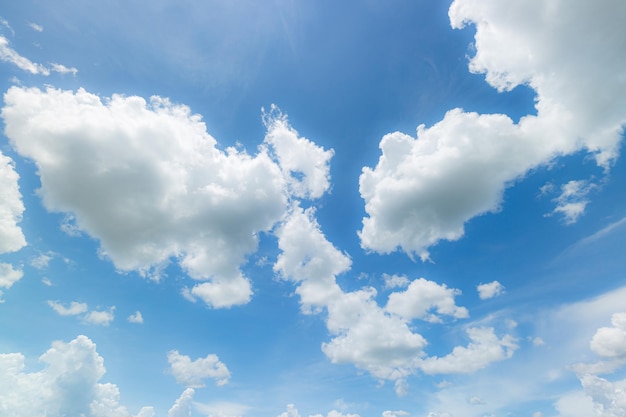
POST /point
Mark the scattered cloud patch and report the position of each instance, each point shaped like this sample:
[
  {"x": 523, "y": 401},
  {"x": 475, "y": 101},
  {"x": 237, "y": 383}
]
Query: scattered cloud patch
[
  {"x": 222, "y": 409},
  {"x": 395, "y": 281},
  {"x": 8, "y": 276},
  {"x": 73, "y": 309},
  {"x": 11, "y": 207},
  {"x": 572, "y": 201},
  {"x": 101, "y": 318},
  {"x": 36, "y": 27},
  {"x": 490, "y": 290},
  {"x": 98, "y": 317},
  {"x": 136, "y": 318},
  {"x": 193, "y": 373},
  {"x": 42, "y": 260}
]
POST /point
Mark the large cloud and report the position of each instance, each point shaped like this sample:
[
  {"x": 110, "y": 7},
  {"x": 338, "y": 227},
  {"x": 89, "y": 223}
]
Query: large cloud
[
  {"x": 11, "y": 207},
  {"x": 149, "y": 182},
  {"x": 376, "y": 339},
  {"x": 68, "y": 385},
  {"x": 424, "y": 189}
]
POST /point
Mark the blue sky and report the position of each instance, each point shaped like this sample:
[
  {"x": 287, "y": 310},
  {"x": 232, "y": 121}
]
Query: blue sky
[{"x": 312, "y": 209}]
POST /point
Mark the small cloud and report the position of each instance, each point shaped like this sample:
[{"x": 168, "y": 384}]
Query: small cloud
[
  {"x": 193, "y": 373},
  {"x": 74, "y": 309},
  {"x": 8, "y": 277},
  {"x": 101, "y": 318},
  {"x": 397, "y": 413},
  {"x": 45, "y": 281},
  {"x": 36, "y": 27},
  {"x": 62, "y": 69},
  {"x": 537, "y": 341},
  {"x": 395, "y": 281},
  {"x": 136, "y": 318},
  {"x": 572, "y": 201},
  {"x": 490, "y": 290},
  {"x": 475, "y": 401},
  {"x": 4, "y": 23},
  {"x": 41, "y": 261}
]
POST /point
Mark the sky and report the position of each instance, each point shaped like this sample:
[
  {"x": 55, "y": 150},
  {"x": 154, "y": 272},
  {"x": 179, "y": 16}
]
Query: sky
[{"x": 303, "y": 209}]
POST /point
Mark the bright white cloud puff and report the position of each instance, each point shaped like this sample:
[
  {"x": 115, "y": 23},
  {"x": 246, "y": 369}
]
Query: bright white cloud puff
[
  {"x": 489, "y": 290},
  {"x": 11, "y": 208},
  {"x": 193, "y": 373},
  {"x": 424, "y": 189}
]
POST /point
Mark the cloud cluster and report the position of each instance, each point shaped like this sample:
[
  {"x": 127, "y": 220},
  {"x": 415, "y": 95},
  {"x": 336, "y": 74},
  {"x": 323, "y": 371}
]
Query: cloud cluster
[
  {"x": 98, "y": 317},
  {"x": 148, "y": 181},
  {"x": 380, "y": 340},
  {"x": 193, "y": 373},
  {"x": 68, "y": 385},
  {"x": 424, "y": 189}
]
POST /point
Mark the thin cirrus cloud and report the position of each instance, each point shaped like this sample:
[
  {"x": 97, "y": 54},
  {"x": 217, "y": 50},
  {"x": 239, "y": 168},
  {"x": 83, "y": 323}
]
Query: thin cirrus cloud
[{"x": 424, "y": 189}]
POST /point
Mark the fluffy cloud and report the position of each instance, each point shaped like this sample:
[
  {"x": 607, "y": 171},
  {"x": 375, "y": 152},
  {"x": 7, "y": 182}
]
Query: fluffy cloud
[
  {"x": 182, "y": 406},
  {"x": 149, "y": 182},
  {"x": 489, "y": 290},
  {"x": 376, "y": 339},
  {"x": 485, "y": 347},
  {"x": 136, "y": 318},
  {"x": 421, "y": 298},
  {"x": 193, "y": 373},
  {"x": 102, "y": 318},
  {"x": 8, "y": 277},
  {"x": 73, "y": 309},
  {"x": 424, "y": 189},
  {"x": 572, "y": 201},
  {"x": 610, "y": 342},
  {"x": 11, "y": 207},
  {"x": 68, "y": 385}
]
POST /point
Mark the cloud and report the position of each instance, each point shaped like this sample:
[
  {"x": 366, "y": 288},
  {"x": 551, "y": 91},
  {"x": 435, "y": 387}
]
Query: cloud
[
  {"x": 42, "y": 260},
  {"x": 292, "y": 411},
  {"x": 571, "y": 203},
  {"x": 184, "y": 199},
  {"x": 489, "y": 290},
  {"x": 485, "y": 347},
  {"x": 102, "y": 318},
  {"x": 68, "y": 385},
  {"x": 11, "y": 207},
  {"x": 398, "y": 413},
  {"x": 375, "y": 339},
  {"x": 182, "y": 406},
  {"x": 395, "y": 281},
  {"x": 10, "y": 55},
  {"x": 75, "y": 308},
  {"x": 8, "y": 277},
  {"x": 424, "y": 189},
  {"x": 610, "y": 342},
  {"x": 136, "y": 318},
  {"x": 222, "y": 409},
  {"x": 422, "y": 299},
  {"x": 36, "y": 27},
  {"x": 193, "y": 373}
]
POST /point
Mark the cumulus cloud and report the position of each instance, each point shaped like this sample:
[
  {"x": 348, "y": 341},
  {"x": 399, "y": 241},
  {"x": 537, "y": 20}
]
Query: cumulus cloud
[
  {"x": 489, "y": 290},
  {"x": 101, "y": 318},
  {"x": 377, "y": 339},
  {"x": 182, "y": 406},
  {"x": 148, "y": 181},
  {"x": 68, "y": 385},
  {"x": 424, "y": 189},
  {"x": 485, "y": 347},
  {"x": 426, "y": 300},
  {"x": 222, "y": 409},
  {"x": 8, "y": 276},
  {"x": 11, "y": 207},
  {"x": 395, "y": 281},
  {"x": 136, "y": 318},
  {"x": 73, "y": 309},
  {"x": 193, "y": 373},
  {"x": 610, "y": 342}
]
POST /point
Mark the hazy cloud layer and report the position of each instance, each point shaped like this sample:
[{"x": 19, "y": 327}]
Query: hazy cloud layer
[{"x": 424, "y": 189}]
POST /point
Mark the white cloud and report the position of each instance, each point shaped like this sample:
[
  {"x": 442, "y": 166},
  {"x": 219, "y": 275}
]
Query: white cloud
[
  {"x": 8, "y": 277},
  {"x": 398, "y": 413},
  {"x": 182, "y": 406},
  {"x": 292, "y": 411},
  {"x": 298, "y": 157},
  {"x": 609, "y": 399},
  {"x": 424, "y": 189},
  {"x": 422, "y": 299},
  {"x": 8, "y": 54},
  {"x": 610, "y": 342},
  {"x": 11, "y": 207},
  {"x": 75, "y": 308},
  {"x": 136, "y": 318},
  {"x": 149, "y": 182},
  {"x": 36, "y": 27},
  {"x": 193, "y": 373},
  {"x": 485, "y": 347},
  {"x": 62, "y": 69},
  {"x": 489, "y": 290},
  {"x": 222, "y": 409},
  {"x": 42, "y": 260},
  {"x": 572, "y": 201},
  {"x": 68, "y": 385},
  {"x": 101, "y": 318},
  {"x": 395, "y": 281}
]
